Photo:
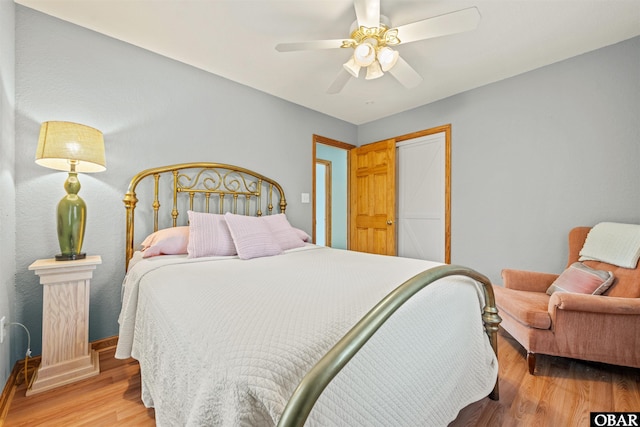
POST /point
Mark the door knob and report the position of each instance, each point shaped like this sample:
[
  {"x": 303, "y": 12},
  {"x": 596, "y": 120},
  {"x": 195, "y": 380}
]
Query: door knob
[{"x": 389, "y": 222}]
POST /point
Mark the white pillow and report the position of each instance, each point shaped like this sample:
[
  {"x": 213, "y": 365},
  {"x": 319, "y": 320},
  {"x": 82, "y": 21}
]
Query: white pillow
[{"x": 209, "y": 236}]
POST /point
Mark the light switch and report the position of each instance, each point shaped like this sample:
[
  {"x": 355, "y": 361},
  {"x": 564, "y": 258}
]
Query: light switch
[{"x": 305, "y": 198}]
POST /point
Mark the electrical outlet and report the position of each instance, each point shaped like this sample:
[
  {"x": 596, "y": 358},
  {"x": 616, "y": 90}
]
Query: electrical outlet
[{"x": 2, "y": 326}]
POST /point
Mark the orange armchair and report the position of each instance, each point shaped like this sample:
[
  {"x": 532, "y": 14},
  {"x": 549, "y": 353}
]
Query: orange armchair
[{"x": 600, "y": 328}]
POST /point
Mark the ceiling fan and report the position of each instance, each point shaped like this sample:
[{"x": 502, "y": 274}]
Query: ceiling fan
[{"x": 371, "y": 38}]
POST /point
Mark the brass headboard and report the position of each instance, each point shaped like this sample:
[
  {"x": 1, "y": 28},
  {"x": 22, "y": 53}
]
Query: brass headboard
[{"x": 233, "y": 188}]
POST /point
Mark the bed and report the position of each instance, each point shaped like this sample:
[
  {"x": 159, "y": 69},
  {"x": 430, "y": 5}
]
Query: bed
[{"x": 237, "y": 320}]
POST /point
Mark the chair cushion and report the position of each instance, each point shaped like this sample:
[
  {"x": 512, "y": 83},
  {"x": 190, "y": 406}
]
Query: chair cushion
[
  {"x": 528, "y": 308},
  {"x": 626, "y": 283},
  {"x": 582, "y": 279}
]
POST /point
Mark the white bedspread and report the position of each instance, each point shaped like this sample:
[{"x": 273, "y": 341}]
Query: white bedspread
[{"x": 224, "y": 342}]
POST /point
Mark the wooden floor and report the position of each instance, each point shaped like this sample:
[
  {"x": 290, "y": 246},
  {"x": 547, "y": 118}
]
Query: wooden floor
[
  {"x": 110, "y": 399},
  {"x": 562, "y": 393}
]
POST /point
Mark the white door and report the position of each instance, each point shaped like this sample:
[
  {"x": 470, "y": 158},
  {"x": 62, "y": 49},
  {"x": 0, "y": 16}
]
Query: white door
[{"x": 421, "y": 197}]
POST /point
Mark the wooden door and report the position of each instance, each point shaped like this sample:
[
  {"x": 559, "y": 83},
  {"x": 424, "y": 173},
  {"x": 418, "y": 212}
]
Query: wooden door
[{"x": 372, "y": 172}]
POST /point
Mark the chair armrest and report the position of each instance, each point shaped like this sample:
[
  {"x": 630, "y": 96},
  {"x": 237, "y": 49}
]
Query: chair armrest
[
  {"x": 593, "y": 303},
  {"x": 531, "y": 281}
]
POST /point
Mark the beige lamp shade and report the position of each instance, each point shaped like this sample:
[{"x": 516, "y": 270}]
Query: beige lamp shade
[{"x": 62, "y": 143}]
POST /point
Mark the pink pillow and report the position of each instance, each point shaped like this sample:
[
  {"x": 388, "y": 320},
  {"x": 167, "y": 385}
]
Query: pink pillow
[
  {"x": 168, "y": 241},
  {"x": 209, "y": 235},
  {"x": 252, "y": 236},
  {"x": 286, "y": 236},
  {"x": 582, "y": 279},
  {"x": 303, "y": 235}
]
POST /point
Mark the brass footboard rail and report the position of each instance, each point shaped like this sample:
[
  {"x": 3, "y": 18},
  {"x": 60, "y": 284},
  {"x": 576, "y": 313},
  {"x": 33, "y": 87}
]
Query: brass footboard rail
[{"x": 317, "y": 379}]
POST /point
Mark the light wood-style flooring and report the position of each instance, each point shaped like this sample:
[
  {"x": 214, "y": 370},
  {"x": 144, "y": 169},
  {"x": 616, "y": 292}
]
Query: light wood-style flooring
[
  {"x": 110, "y": 399},
  {"x": 562, "y": 393}
]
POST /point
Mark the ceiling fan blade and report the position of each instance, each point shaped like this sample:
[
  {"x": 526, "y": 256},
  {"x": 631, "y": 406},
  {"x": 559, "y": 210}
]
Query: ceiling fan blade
[
  {"x": 405, "y": 74},
  {"x": 367, "y": 13},
  {"x": 312, "y": 45},
  {"x": 449, "y": 23},
  {"x": 339, "y": 83}
]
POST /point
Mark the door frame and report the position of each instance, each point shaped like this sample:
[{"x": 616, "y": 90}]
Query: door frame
[
  {"x": 318, "y": 139},
  {"x": 327, "y": 200}
]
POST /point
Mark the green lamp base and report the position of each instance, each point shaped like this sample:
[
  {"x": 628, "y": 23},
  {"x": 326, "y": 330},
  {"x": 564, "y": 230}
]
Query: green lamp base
[
  {"x": 70, "y": 257},
  {"x": 71, "y": 216}
]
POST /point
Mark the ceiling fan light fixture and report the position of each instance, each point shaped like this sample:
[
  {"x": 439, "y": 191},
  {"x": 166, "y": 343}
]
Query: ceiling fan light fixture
[
  {"x": 352, "y": 67},
  {"x": 374, "y": 71},
  {"x": 372, "y": 38},
  {"x": 387, "y": 58},
  {"x": 364, "y": 54}
]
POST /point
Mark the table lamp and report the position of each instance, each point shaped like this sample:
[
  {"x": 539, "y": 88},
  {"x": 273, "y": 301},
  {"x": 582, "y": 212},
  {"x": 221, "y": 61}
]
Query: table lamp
[{"x": 74, "y": 148}]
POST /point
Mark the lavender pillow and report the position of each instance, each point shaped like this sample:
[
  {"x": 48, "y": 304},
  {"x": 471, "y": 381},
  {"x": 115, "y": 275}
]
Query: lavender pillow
[
  {"x": 209, "y": 236},
  {"x": 582, "y": 279},
  {"x": 168, "y": 241},
  {"x": 286, "y": 236},
  {"x": 303, "y": 235},
  {"x": 252, "y": 236}
]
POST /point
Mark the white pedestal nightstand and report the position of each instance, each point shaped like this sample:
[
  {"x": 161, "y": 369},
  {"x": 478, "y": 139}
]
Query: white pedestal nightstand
[{"x": 66, "y": 353}]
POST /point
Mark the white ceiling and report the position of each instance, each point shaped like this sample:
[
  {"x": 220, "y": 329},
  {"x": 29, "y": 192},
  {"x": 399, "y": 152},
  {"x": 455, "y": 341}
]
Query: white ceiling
[{"x": 236, "y": 39}]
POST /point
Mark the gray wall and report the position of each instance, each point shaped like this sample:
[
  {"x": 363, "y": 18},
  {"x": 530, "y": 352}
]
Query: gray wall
[
  {"x": 7, "y": 174},
  {"x": 152, "y": 111},
  {"x": 535, "y": 155}
]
